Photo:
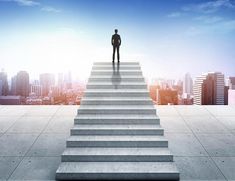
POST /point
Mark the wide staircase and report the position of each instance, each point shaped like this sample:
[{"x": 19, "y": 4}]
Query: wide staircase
[{"x": 116, "y": 133}]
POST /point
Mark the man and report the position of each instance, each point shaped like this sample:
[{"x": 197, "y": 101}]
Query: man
[{"x": 116, "y": 42}]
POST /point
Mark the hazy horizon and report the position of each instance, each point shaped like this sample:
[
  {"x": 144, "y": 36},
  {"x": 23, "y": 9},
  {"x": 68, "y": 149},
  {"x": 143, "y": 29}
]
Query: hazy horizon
[{"x": 169, "y": 38}]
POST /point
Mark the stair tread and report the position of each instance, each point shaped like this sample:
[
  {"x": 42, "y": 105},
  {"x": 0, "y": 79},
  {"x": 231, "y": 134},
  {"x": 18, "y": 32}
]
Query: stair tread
[
  {"x": 116, "y": 116},
  {"x": 116, "y": 151},
  {"x": 118, "y": 90},
  {"x": 116, "y": 107},
  {"x": 117, "y": 126},
  {"x": 121, "y": 83},
  {"x": 116, "y": 138},
  {"x": 123, "y": 76},
  {"x": 117, "y": 98},
  {"x": 117, "y": 167}
]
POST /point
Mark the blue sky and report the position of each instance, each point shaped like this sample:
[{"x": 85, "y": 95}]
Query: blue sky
[{"x": 168, "y": 37}]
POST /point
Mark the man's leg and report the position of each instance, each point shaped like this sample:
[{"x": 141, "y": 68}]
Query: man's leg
[
  {"x": 118, "y": 56},
  {"x": 114, "y": 48}
]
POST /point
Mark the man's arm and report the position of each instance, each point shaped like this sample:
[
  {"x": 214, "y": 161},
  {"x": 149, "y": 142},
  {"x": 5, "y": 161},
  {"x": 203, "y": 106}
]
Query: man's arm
[
  {"x": 112, "y": 40},
  {"x": 120, "y": 41}
]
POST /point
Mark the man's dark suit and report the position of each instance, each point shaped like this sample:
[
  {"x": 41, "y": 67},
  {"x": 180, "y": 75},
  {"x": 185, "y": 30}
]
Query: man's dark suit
[{"x": 116, "y": 42}]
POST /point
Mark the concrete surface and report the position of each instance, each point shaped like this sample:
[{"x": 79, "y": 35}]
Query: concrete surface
[{"x": 200, "y": 152}]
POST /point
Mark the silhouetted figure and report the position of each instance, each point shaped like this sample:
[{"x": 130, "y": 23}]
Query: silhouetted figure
[{"x": 116, "y": 42}]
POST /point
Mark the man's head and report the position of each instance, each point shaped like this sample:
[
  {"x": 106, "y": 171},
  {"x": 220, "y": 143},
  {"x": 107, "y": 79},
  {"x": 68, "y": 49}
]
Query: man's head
[{"x": 116, "y": 31}]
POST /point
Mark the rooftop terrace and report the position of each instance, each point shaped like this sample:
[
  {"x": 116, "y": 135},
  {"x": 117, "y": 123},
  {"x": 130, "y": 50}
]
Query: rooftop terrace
[{"x": 202, "y": 139}]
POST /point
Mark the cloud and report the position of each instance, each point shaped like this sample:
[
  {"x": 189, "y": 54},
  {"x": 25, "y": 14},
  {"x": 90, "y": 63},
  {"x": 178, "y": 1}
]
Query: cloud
[
  {"x": 174, "y": 15},
  {"x": 210, "y": 6},
  {"x": 24, "y": 2},
  {"x": 220, "y": 27},
  {"x": 31, "y": 3},
  {"x": 209, "y": 19},
  {"x": 50, "y": 9}
]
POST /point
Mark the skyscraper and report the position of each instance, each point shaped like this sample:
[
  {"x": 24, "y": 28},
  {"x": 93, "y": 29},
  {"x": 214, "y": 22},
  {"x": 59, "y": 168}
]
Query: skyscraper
[
  {"x": 36, "y": 88},
  {"x": 68, "y": 80},
  {"x": 232, "y": 83},
  {"x": 208, "y": 89},
  {"x": 188, "y": 84},
  {"x": 13, "y": 85},
  {"x": 22, "y": 84},
  {"x": 231, "y": 91},
  {"x": 4, "y": 84},
  {"x": 47, "y": 80}
]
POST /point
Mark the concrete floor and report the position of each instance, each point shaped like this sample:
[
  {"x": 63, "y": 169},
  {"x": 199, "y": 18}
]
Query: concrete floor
[{"x": 202, "y": 139}]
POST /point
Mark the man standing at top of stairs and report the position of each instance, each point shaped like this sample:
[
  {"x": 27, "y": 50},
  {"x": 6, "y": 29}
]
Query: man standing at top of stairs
[{"x": 116, "y": 42}]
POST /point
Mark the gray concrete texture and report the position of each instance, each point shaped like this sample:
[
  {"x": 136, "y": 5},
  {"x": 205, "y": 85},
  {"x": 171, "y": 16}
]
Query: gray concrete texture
[{"x": 200, "y": 152}]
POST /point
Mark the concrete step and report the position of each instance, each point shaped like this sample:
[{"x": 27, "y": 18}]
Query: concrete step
[
  {"x": 116, "y": 109},
  {"x": 117, "y": 171},
  {"x": 126, "y": 79},
  {"x": 117, "y": 93},
  {"x": 116, "y": 129},
  {"x": 116, "y": 73},
  {"x": 116, "y": 101},
  {"x": 107, "y": 154},
  {"x": 116, "y": 119},
  {"x": 116, "y": 68},
  {"x": 116, "y": 141},
  {"x": 120, "y": 64},
  {"x": 116, "y": 85}
]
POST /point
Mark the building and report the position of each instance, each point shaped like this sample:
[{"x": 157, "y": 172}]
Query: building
[
  {"x": 186, "y": 99},
  {"x": 153, "y": 92},
  {"x": 4, "y": 88},
  {"x": 47, "y": 80},
  {"x": 10, "y": 100},
  {"x": 188, "y": 84},
  {"x": 226, "y": 88},
  {"x": 231, "y": 91},
  {"x": 68, "y": 80},
  {"x": 22, "y": 84},
  {"x": 60, "y": 82},
  {"x": 1, "y": 85},
  {"x": 231, "y": 97},
  {"x": 36, "y": 89},
  {"x": 208, "y": 89},
  {"x": 167, "y": 97},
  {"x": 232, "y": 83},
  {"x": 13, "y": 85}
]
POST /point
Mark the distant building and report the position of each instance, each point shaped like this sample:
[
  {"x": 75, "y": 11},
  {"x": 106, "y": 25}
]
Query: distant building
[
  {"x": 10, "y": 100},
  {"x": 33, "y": 101},
  {"x": 231, "y": 91},
  {"x": 47, "y": 80},
  {"x": 208, "y": 89},
  {"x": 226, "y": 88},
  {"x": 68, "y": 80},
  {"x": 153, "y": 92},
  {"x": 4, "y": 88},
  {"x": 13, "y": 85},
  {"x": 167, "y": 97},
  {"x": 55, "y": 91},
  {"x": 60, "y": 82},
  {"x": 36, "y": 89},
  {"x": 231, "y": 97},
  {"x": 186, "y": 99},
  {"x": 232, "y": 83},
  {"x": 188, "y": 84},
  {"x": 1, "y": 85},
  {"x": 22, "y": 84}
]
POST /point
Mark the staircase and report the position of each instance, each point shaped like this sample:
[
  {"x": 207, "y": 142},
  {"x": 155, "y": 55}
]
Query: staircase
[{"x": 116, "y": 133}]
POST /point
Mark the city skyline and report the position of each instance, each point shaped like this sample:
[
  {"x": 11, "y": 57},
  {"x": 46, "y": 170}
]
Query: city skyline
[{"x": 57, "y": 36}]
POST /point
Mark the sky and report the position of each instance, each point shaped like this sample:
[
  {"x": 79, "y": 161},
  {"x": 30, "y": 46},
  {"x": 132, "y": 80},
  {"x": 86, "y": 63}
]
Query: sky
[{"x": 168, "y": 37}]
